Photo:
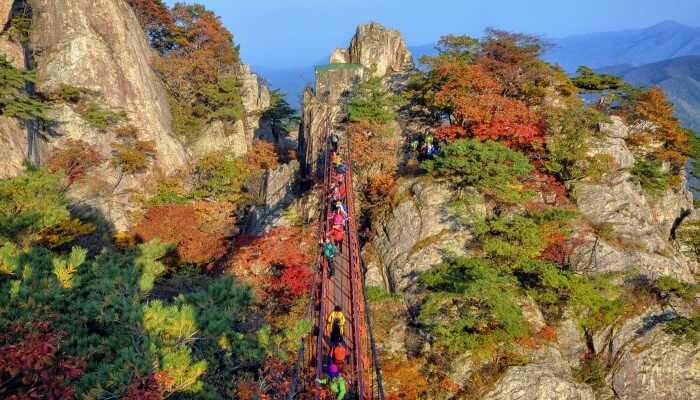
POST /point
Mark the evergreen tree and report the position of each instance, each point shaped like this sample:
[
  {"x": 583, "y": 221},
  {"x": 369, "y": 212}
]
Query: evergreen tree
[
  {"x": 282, "y": 117},
  {"x": 371, "y": 102},
  {"x": 14, "y": 99}
]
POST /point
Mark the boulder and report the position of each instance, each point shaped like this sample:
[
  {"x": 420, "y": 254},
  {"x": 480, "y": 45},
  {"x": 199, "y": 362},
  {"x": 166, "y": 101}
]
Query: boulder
[
  {"x": 546, "y": 378},
  {"x": 380, "y": 50},
  {"x": 255, "y": 95},
  {"x": 616, "y": 128},
  {"x": 416, "y": 233},
  {"x": 13, "y": 147},
  {"x": 648, "y": 363}
]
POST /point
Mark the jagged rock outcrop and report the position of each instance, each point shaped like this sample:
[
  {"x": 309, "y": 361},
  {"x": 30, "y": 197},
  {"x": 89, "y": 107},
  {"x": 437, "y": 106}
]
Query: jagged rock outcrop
[
  {"x": 99, "y": 45},
  {"x": 374, "y": 49},
  {"x": 647, "y": 364},
  {"x": 256, "y": 99},
  {"x": 277, "y": 193},
  {"x": 637, "y": 227},
  {"x": 548, "y": 377},
  {"x": 415, "y": 234},
  {"x": 380, "y": 50},
  {"x": 322, "y": 109}
]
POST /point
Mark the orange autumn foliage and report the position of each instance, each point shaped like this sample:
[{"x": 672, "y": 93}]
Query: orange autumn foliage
[
  {"x": 75, "y": 158},
  {"x": 670, "y": 142},
  {"x": 450, "y": 132},
  {"x": 477, "y": 103},
  {"x": 198, "y": 230},
  {"x": 403, "y": 379},
  {"x": 262, "y": 155}
]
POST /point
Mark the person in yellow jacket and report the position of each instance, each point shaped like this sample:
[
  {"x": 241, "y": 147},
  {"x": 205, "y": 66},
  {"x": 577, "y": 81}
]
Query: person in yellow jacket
[{"x": 335, "y": 325}]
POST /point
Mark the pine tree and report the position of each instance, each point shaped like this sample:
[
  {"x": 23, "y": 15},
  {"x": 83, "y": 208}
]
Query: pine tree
[{"x": 14, "y": 99}]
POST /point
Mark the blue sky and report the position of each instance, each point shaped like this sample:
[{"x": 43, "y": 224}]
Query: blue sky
[{"x": 292, "y": 33}]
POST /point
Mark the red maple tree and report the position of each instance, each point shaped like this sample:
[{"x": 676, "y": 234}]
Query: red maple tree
[{"x": 32, "y": 365}]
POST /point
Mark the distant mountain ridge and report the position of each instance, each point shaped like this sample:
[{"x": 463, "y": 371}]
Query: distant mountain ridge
[
  {"x": 679, "y": 77},
  {"x": 663, "y": 41}
]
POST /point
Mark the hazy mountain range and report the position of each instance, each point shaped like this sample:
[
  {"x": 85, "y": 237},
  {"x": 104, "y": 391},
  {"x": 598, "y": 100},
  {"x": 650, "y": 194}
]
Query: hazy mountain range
[{"x": 666, "y": 54}]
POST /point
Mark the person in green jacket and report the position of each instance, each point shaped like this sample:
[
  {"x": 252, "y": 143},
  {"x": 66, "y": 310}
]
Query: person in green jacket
[
  {"x": 329, "y": 253},
  {"x": 335, "y": 382}
]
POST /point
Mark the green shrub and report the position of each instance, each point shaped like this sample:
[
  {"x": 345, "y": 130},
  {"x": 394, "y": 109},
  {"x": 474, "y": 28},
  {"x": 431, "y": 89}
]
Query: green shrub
[
  {"x": 592, "y": 371},
  {"x": 666, "y": 285},
  {"x": 569, "y": 132},
  {"x": 587, "y": 79},
  {"x": 185, "y": 124},
  {"x": 68, "y": 93},
  {"x": 221, "y": 101},
  {"x": 593, "y": 301},
  {"x": 29, "y": 203},
  {"x": 100, "y": 117},
  {"x": 220, "y": 175},
  {"x": 14, "y": 99},
  {"x": 471, "y": 304},
  {"x": 685, "y": 329},
  {"x": 493, "y": 168},
  {"x": 650, "y": 175},
  {"x": 511, "y": 238},
  {"x": 371, "y": 102},
  {"x": 377, "y": 294}
]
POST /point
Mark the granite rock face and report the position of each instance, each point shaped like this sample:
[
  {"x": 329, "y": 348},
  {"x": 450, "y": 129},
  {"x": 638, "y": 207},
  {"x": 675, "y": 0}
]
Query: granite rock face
[
  {"x": 638, "y": 227},
  {"x": 648, "y": 363},
  {"x": 99, "y": 45},
  {"x": 414, "y": 235},
  {"x": 380, "y": 50},
  {"x": 548, "y": 377}
]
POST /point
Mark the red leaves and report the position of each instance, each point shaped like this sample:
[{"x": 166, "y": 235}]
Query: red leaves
[
  {"x": 148, "y": 387},
  {"x": 512, "y": 133},
  {"x": 32, "y": 367},
  {"x": 450, "y": 132},
  {"x": 287, "y": 253}
]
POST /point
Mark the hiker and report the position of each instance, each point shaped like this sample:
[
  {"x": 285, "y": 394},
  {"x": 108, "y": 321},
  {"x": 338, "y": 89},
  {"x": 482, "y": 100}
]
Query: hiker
[
  {"x": 338, "y": 218},
  {"x": 430, "y": 150},
  {"x": 335, "y": 194},
  {"x": 340, "y": 207},
  {"x": 329, "y": 253},
  {"x": 414, "y": 146},
  {"x": 335, "y": 382},
  {"x": 335, "y": 325},
  {"x": 339, "y": 178},
  {"x": 340, "y": 168},
  {"x": 336, "y": 160},
  {"x": 334, "y": 142},
  {"x": 338, "y": 355},
  {"x": 338, "y": 235}
]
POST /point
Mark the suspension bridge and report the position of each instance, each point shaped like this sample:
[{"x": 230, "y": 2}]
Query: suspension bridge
[{"x": 344, "y": 288}]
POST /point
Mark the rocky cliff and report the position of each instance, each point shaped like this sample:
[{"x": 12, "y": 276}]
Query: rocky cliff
[
  {"x": 99, "y": 45},
  {"x": 99, "y": 48}
]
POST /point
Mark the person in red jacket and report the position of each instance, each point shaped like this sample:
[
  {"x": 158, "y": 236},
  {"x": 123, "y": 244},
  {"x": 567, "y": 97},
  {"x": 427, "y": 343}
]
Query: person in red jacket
[{"x": 338, "y": 235}]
